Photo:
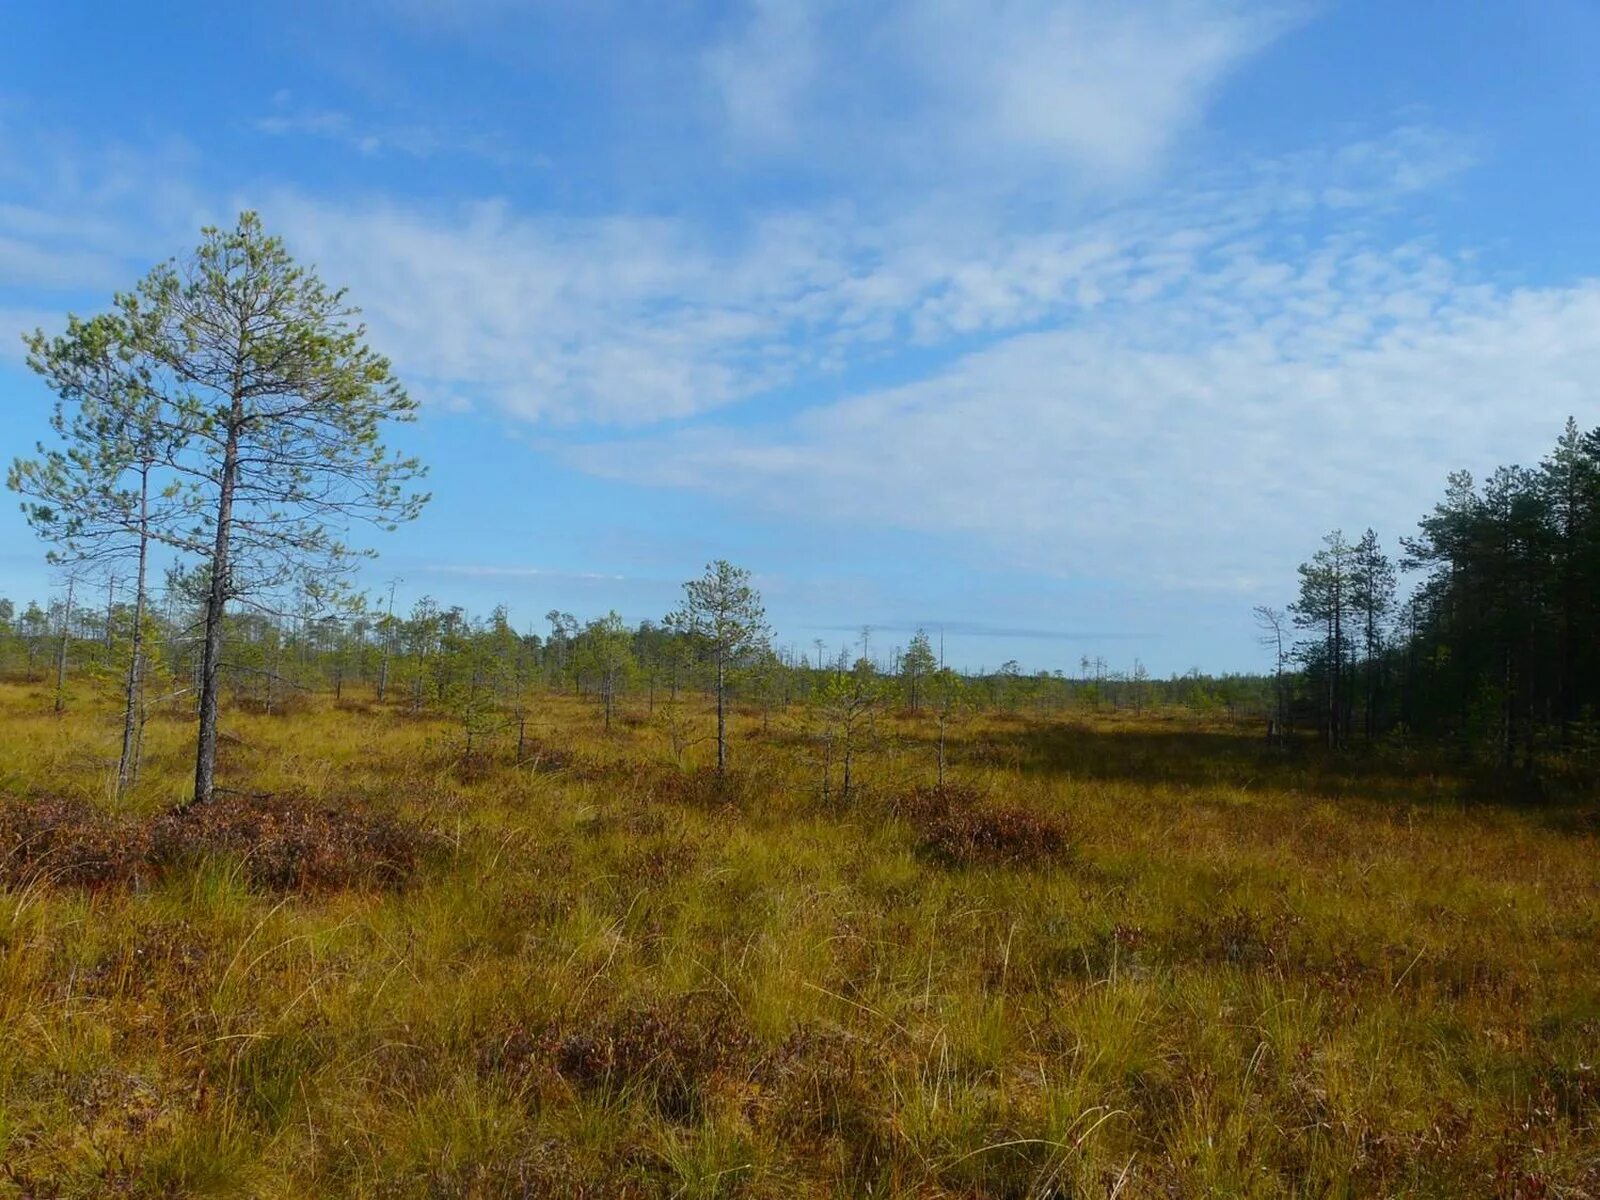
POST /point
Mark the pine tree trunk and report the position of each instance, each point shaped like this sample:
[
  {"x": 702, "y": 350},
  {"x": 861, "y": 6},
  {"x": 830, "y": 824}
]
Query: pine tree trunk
[{"x": 205, "y": 767}]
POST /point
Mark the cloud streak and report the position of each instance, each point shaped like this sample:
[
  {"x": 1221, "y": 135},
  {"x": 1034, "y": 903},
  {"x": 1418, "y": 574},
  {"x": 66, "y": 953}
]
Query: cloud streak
[
  {"x": 1096, "y": 452},
  {"x": 419, "y": 140},
  {"x": 1074, "y": 86},
  {"x": 1186, "y": 389}
]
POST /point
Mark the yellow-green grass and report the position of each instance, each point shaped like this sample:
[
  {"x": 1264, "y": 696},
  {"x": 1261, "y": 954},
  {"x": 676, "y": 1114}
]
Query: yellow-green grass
[{"x": 1252, "y": 974}]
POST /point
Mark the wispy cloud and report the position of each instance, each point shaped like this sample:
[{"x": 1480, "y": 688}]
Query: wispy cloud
[
  {"x": 634, "y": 320},
  {"x": 1184, "y": 389},
  {"x": 1200, "y": 438},
  {"x": 419, "y": 140}
]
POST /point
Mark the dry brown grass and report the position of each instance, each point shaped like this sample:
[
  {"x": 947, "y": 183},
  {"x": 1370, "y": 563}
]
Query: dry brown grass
[{"x": 1134, "y": 957}]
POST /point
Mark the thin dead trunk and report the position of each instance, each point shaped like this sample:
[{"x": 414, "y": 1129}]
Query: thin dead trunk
[
  {"x": 722, "y": 735},
  {"x": 388, "y": 637},
  {"x": 127, "y": 765},
  {"x": 61, "y": 656}
]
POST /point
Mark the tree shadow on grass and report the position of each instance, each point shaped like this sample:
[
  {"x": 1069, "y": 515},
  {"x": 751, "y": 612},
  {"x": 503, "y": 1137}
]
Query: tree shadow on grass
[{"x": 1160, "y": 755}]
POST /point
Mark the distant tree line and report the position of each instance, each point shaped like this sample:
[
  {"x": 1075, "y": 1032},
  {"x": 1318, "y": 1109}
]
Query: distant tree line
[
  {"x": 489, "y": 675},
  {"x": 1496, "y": 648}
]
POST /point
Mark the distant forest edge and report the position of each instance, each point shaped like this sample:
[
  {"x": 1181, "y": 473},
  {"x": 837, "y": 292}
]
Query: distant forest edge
[
  {"x": 445, "y": 659},
  {"x": 1493, "y": 652}
]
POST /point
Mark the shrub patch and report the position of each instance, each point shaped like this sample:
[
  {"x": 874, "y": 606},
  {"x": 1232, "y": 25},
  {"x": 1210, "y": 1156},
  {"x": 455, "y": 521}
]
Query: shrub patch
[
  {"x": 286, "y": 843},
  {"x": 958, "y": 827}
]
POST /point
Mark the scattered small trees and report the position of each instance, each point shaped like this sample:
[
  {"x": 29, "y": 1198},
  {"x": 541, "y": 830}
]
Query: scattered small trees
[
  {"x": 1495, "y": 646},
  {"x": 98, "y": 495},
  {"x": 1274, "y": 635},
  {"x": 1326, "y": 589},
  {"x": 285, "y": 405},
  {"x": 1140, "y": 680},
  {"x": 951, "y": 698},
  {"x": 472, "y": 675},
  {"x": 1372, "y": 597}
]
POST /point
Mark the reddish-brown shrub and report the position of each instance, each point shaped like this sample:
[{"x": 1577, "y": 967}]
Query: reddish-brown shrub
[
  {"x": 703, "y": 787},
  {"x": 541, "y": 756},
  {"x": 821, "y": 1083},
  {"x": 288, "y": 703},
  {"x": 957, "y": 827},
  {"x": 67, "y": 841},
  {"x": 287, "y": 843},
  {"x": 669, "y": 1050}
]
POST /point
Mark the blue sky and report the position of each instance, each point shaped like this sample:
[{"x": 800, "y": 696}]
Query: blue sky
[{"x": 1069, "y": 327}]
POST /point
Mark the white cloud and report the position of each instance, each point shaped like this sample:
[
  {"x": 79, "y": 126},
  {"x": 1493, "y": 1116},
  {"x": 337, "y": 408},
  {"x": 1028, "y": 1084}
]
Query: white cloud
[
  {"x": 1186, "y": 393},
  {"x": 1096, "y": 451},
  {"x": 71, "y": 222},
  {"x": 16, "y": 323},
  {"x": 603, "y": 320},
  {"x": 765, "y": 75},
  {"x": 940, "y": 86},
  {"x": 1188, "y": 388},
  {"x": 635, "y": 320},
  {"x": 1102, "y": 87}
]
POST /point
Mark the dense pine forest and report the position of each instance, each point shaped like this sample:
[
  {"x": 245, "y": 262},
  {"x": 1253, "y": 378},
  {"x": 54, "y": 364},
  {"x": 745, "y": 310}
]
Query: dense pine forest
[{"x": 1492, "y": 651}]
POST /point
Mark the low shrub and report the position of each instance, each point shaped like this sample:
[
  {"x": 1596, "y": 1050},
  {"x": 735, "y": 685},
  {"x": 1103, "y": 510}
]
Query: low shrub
[
  {"x": 958, "y": 827},
  {"x": 669, "y": 1051},
  {"x": 291, "y": 844},
  {"x": 286, "y": 843},
  {"x": 69, "y": 842},
  {"x": 821, "y": 1083},
  {"x": 702, "y": 787}
]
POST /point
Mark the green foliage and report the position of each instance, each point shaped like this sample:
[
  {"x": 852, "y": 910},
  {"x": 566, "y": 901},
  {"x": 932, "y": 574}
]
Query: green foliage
[
  {"x": 844, "y": 718},
  {"x": 237, "y": 390},
  {"x": 722, "y": 613},
  {"x": 916, "y": 665},
  {"x": 1495, "y": 649},
  {"x": 605, "y": 656}
]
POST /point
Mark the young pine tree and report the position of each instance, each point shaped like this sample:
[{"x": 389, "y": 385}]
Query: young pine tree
[
  {"x": 282, "y": 406},
  {"x": 722, "y": 613},
  {"x": 104, "y": 493}
]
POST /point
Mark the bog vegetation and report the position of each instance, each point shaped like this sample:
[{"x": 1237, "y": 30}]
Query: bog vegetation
[{"x": 303, "y": 895}]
